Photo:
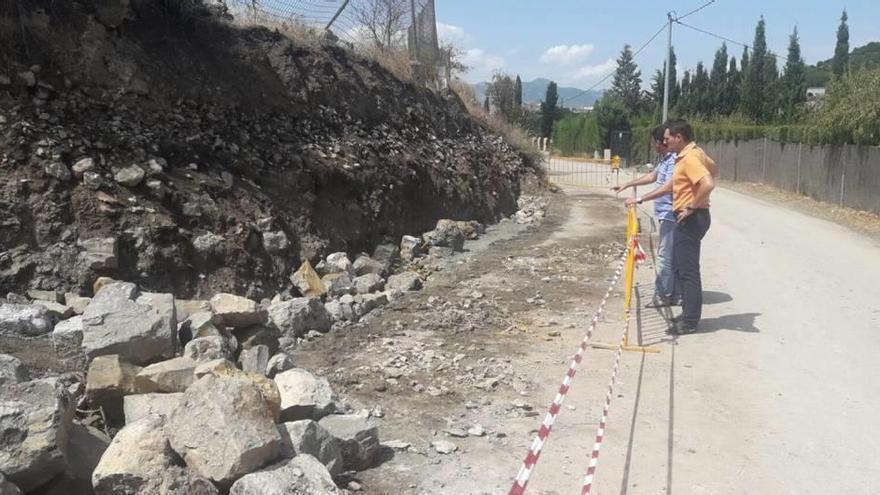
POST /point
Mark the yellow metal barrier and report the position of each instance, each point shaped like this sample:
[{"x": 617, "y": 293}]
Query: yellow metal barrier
[{"x": 632, "y": 236}]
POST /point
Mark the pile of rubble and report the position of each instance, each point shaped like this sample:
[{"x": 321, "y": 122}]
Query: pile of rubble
[{"x": 198, "y": 396}]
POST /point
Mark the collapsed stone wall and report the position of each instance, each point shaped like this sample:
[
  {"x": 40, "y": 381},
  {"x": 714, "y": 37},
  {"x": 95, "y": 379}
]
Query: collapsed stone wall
[{"x": 194, "y": 157}]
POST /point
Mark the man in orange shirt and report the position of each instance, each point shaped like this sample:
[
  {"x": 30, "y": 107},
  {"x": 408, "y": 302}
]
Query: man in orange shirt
[{"x": 692, "y": 183}]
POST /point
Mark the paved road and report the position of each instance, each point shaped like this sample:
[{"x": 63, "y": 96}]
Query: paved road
[{"x": 780, "y": 391}]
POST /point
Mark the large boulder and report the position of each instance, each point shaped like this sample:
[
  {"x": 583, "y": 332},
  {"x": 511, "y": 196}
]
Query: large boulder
[
  {"x": 307, "y": 281},
  {"x": 254, "y": 359},
  {"x": 446, "y": 234},
  {"x": 224, "y": 428},
  {"x": 109, "y": 379},
  {"x": 173, "y": 375},
  {"x": 35, "y": 421},
  {"x": 302, "y": 475},
  {"x": 143, "y": 405},
  {"x": 275, "y": 242},
  {"x": 267, "y": 387},
  {"x": 297, "y": 316},
  {"x": 279, "y": 363},
  {"x": 209, "y": 348},
  {"x": 7, "y": 487},
  {"x": 77, "y": 302},
  {"x": 338, "y": 284},
  {"x": 368, "y": 283},
  {"x": 24, "y": 320},
  {"x": 410, "y": 247},
  {"x": 404, "y": 281},
  {"x": 258, "y": 335},
  {"x": 85, "y": 448},
  {"x": 338, "y": 263},
  {"x": 304, "y": 396},
  {"x": 358, "y": 436},
  {"x": 386, "y": 255},
  {"x": 67, "y": 337},
  {"x": 12, "y": 370},
  {"x": 140, "y": 329},
  {"x": 237, "y": 311},
  {"x": 363, "y": 265},
  {"x": 99, "y": 253},
  {"x": 139, "y": 454},
  {"x": 56, "y": 310},
  {"x": 187, "y": 307},
  {"x": 308, "y": 437}
]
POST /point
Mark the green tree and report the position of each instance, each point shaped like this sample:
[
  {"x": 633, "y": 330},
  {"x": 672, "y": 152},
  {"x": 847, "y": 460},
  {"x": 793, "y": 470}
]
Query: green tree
[
  {"x": 718, "y": 82},
  {"x": 517, "y": 93},
  {"x": 611, "y": 115},
  {"x": 502, "y": 93},
  {"x": 849, "y": 111},
  {"x": 684, "y": 99},
  {"x": 548, "y": 109},
  {"x": 744, "y": 62},
  {"x": 840, "y": 63},
  {"x": 733, "y": 88},
  {"x": 701, "y": 91},
  {"x": 486, "y": 104},
  {"x": 795, "y": 78},
  {"x": 771, "y": 95},
  {"x": 627, "y": 83},
  {"x": 754, "y": 93}
]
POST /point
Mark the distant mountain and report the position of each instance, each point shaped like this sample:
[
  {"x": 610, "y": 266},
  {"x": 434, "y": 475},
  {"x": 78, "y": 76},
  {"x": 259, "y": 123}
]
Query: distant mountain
[
  {"x": 860, "y": 58},
  {"x": 534, "y": 92}
]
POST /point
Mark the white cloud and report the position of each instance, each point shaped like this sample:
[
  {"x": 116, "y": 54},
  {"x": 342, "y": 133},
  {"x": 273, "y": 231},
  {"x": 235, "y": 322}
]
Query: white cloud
[
  {"x": 596, "y": 70},
  {"x": 452, "y": 34},
  {"x": 482, "y": 61},
  {"x": 565, "y": 54}
]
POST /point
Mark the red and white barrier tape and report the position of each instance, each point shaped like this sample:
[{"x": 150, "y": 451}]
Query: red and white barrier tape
[
  {"x": 522, "y": 478},
  {"x": 600, "y": 431}
]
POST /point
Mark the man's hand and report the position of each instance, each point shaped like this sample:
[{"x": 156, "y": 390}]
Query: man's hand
[
  {"x": 631, "y": 202},
  {"x": 684, "y": 214},
  {"x": 618, "y": 189}
]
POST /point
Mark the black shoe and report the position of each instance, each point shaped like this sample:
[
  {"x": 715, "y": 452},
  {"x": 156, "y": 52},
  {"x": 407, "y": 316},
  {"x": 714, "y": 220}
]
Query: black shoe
[{"x": 679, "y": 327}]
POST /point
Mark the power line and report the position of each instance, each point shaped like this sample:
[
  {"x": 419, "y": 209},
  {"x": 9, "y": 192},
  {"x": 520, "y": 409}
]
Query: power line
[
  {"x": 710, "y": 2},
  {"x": 740, "y": 43},
  {"x": 605, "y": 78}
]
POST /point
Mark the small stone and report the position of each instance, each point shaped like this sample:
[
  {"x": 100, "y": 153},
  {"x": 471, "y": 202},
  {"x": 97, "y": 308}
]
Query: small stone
[
  {"x": 207, "y": 244},
  {"x": 93, "y": 180},
  {"x": 58, "y": 170},
  {"x": 410, "y": 247},
  {"x": 359, "y": 435},
  {"x": 338, "y": 263},
  {"x": 275, "y": 242},
  {"x": 99, "y": 253},
  {"x": 444, "y": 446},
  {"x": 307, "y": 437},
  {"x": 397, "y": 445},
  {"x": 78, "y": 303},
  {"x": 457, "y": 433},
  {"x": 56, "y": 311},
  {"x": 476, "y": 431},
  {"x": 209, "y": 348},
  {"x": 403, "y": 282},
  {"x": 307, "y": 281},
  {"x": 28, "y": 78},
  {"x": 129, "y": 176},
  {"x": 297, "y": 316},
  {"x": 301, "y": 475},
  {"x": 67, "y": 337},
  {"x": 338, "y": 284},
  {"x": 82, "y": 166}
]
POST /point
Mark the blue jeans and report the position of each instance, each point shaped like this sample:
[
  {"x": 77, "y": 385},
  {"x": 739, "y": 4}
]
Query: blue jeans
[{"x": 666, "y": 285}]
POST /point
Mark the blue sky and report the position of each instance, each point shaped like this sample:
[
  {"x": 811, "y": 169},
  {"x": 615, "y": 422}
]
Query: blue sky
[{"x": 575, "y": 42}]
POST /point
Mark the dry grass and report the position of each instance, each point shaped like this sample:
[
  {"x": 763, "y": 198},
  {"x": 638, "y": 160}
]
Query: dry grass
[
  {"x": 514, "y": 136},
  {"x": 395, "y": 60}
]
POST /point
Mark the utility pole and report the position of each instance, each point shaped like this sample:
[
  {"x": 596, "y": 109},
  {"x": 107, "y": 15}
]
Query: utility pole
[{"x": 666, "y": 70}]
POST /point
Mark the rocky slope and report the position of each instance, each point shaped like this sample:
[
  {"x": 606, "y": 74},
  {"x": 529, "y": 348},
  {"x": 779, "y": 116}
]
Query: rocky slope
[{"x": 190, "y": 156}]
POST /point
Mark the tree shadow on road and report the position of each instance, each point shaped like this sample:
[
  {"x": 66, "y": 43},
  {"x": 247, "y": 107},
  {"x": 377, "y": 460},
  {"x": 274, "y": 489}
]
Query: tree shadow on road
[{"x": 743, "y": 322}]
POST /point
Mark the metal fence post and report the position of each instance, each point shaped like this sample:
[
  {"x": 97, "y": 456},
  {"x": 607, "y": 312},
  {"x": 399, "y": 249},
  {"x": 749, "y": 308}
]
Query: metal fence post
[
  {"x": 800, "y": 151},
  {"x": 843, "y": 176},
  {"x": 764, "y": 161}
]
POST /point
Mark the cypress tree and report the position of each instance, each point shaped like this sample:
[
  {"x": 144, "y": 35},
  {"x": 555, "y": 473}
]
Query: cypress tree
[{"x": 840, "y": 63}]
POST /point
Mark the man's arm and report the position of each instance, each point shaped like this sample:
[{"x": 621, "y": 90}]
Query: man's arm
[
  {"x": 701, "y": 196},
  {"x": 666, "y": 188},
  {"x": 648, "y": 178}
]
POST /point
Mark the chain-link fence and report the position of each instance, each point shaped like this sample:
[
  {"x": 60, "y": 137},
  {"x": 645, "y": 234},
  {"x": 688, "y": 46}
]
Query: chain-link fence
[{"x": 378, "y": 24}]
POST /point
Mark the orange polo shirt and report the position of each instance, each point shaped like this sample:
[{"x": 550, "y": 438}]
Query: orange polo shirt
[{"x": 691, "y": 166}]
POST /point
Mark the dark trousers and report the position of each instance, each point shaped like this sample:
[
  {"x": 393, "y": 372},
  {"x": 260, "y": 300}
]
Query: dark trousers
[{"x": 686, "y": 255}]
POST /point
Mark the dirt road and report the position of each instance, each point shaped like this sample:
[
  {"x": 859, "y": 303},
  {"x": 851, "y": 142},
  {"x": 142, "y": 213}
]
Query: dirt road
[{"x": 777, "y": 393}]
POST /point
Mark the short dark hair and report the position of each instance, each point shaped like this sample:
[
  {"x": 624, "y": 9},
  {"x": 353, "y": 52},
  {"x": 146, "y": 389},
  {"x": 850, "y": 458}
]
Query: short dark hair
[
  {"x": 657, "y": 133},
  {"x": 680, "y": 127}
]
